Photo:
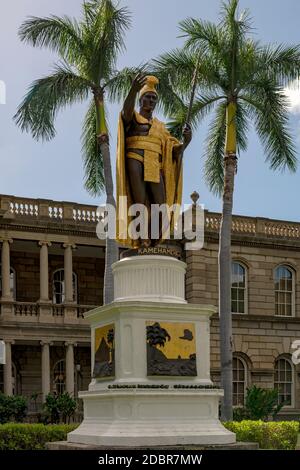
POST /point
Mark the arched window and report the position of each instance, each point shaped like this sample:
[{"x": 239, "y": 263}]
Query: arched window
[
  {"x": 239, "y": 370},
  {"x": 59, "y": 286},
  {"x": 283, "y": 381},
  {"x": 238, "y": 288},
  {"x": 12, "y": 282},
  {"x": 284, "y": 291},
  {"x": 59, "y": 377}
]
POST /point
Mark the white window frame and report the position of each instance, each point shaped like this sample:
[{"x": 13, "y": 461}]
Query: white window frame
[
  {"x": 245, "y": 365},
  {"x": 236, "y": 261},
  {"x": 292, "y": 271},
  {"x": 62, "y": 281},
  {"x": 60, "y": 361},
  {"x": 292, "y": 405}
]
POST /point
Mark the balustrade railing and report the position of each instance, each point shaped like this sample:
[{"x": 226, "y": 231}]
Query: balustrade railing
[
  {"x": 32, "y": 309},
  {"x": 26, "y": 309},
  {"x": 47, "y": 209},
  {"x": 255, "y": 226},
  {"x": 58, "y": 310},
  {"x": 81, "y": 309},
  {"x": 69, "y": 212}
]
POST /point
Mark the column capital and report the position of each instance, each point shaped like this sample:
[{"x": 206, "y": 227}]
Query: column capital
[
  {"x": 45, "y": 342},
  {"x": 9, "y": 341},
  {"x": 71, "y": 343},
  {"x": 70, "y": 245},
  {"x": 6, "y": 239},
  {"x": 44, "y": 242}
]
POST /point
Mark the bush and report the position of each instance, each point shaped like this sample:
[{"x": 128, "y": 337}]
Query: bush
[
  {"x": 31, "y": 436},
  {"x": 240, "y": 414},
  {"x": 58, "y": 408},
  {"x": 12, "y": 408},
  {"x": 273, "y": 435},
  {"x": 260, "y": 403}
]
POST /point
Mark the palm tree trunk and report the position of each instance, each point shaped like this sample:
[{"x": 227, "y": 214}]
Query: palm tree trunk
[
  {"x": 225, "y": 264},
  {"x": 112, "y": 251}
]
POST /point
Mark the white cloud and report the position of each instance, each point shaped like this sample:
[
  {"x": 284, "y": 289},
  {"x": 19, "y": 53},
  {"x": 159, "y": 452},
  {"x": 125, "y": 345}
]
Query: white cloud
[{"x": 293, "y": 94}]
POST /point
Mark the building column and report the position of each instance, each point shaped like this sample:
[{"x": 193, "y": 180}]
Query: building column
[
  {"x": 70, "y": 369},
  {"x": 68, "y": 272},
  {"x": 45, "y": 368},
  {"x": 44, "y": 271},
  {"x": 5, "y": 270},
  {"x": 8, "y": 389}
]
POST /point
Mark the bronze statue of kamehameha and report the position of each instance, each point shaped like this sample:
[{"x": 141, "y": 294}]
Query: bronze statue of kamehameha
[{"x": 149, "y": 167}]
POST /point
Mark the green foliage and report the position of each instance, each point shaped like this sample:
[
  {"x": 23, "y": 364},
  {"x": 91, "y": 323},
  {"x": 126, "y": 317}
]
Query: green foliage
[
  {"x": 12, "y": 408},
  {"x": 58, "y": 408},
  {"x": 240, "y": 414},
  {"x": 31, "y": 436},
  {"x": 235, "y": 68},
  {"x": 280, "y": 435},
  {"x": 66, "y": 406},
  {"x": 88, "y": 50},
  {"x": 259, "y": 404}
]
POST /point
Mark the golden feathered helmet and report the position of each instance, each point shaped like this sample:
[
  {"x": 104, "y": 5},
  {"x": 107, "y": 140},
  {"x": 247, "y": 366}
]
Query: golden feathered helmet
[{"x": 150, "y": 85}]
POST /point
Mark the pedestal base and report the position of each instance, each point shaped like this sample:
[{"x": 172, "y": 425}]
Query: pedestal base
[
  {"x": 137, "y": 418},
  {"x": 64, "y": 445},
  {"x": 151, "y": 381}
]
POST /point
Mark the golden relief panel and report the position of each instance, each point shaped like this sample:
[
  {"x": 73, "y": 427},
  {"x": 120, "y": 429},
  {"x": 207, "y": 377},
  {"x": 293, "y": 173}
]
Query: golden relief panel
[
  {"x": 104, "y": 365},
  {"x": 171, "y": 349}
]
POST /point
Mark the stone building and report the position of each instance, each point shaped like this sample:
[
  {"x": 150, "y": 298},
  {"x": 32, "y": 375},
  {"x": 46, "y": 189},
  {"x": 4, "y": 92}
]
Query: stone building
[
  {"x": 52, "y": 267},
  {"x": 265, "y": 303}
]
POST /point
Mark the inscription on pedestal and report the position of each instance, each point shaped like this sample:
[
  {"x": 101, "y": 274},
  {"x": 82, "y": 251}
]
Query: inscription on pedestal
[
  {"x": 171, "y": 349},
  {"x": 104, "y": 365}
]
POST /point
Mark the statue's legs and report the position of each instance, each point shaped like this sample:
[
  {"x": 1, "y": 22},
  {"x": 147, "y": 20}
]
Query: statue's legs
[
  {"x": 159, "y": 220},
  {"x": 135, "y": 172},
  {"x": 147, "y": 193}
]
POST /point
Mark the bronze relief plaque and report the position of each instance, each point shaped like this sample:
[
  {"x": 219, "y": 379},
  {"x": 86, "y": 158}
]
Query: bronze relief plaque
[
  {"x": 171, "y": 349},
  {"x": 104, "y": 365}
]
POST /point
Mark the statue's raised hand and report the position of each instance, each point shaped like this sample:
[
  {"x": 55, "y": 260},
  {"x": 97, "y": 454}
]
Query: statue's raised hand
[{"x": 138, "y": 82}]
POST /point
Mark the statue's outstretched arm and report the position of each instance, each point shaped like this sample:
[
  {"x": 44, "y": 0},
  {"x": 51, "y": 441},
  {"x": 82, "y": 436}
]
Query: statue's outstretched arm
[{"x": 128, "y": 107}]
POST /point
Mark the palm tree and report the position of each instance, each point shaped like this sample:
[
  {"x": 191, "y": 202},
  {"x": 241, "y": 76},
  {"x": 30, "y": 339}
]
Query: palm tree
[
  {"x": 88, "y": 50},
  {"x": 243, "y": 81},
  {"x": 156, "y": 335}
]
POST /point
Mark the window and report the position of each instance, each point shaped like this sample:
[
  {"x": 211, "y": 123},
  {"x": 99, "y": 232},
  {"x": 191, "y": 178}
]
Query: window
[
  {"x": 59, "y": 287},
  {"x": 284, "y": 291},
  {"x": 239, "y": 381},
  {"x": 283, "y": 381},
  {"x": 59, "y": 377},
  {"x": 238, "y": 288},
  {"x": 12, "y": 282},
  {"x": 1, "y": 378}
]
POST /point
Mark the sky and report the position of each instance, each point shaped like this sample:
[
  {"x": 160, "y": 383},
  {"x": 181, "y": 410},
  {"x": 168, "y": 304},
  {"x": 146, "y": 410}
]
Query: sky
[{"x": 54, "y": 170}]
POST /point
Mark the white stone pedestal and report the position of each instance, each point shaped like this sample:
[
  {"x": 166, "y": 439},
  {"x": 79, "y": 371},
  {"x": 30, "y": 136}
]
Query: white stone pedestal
[{"x": 133, "y": 408}]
